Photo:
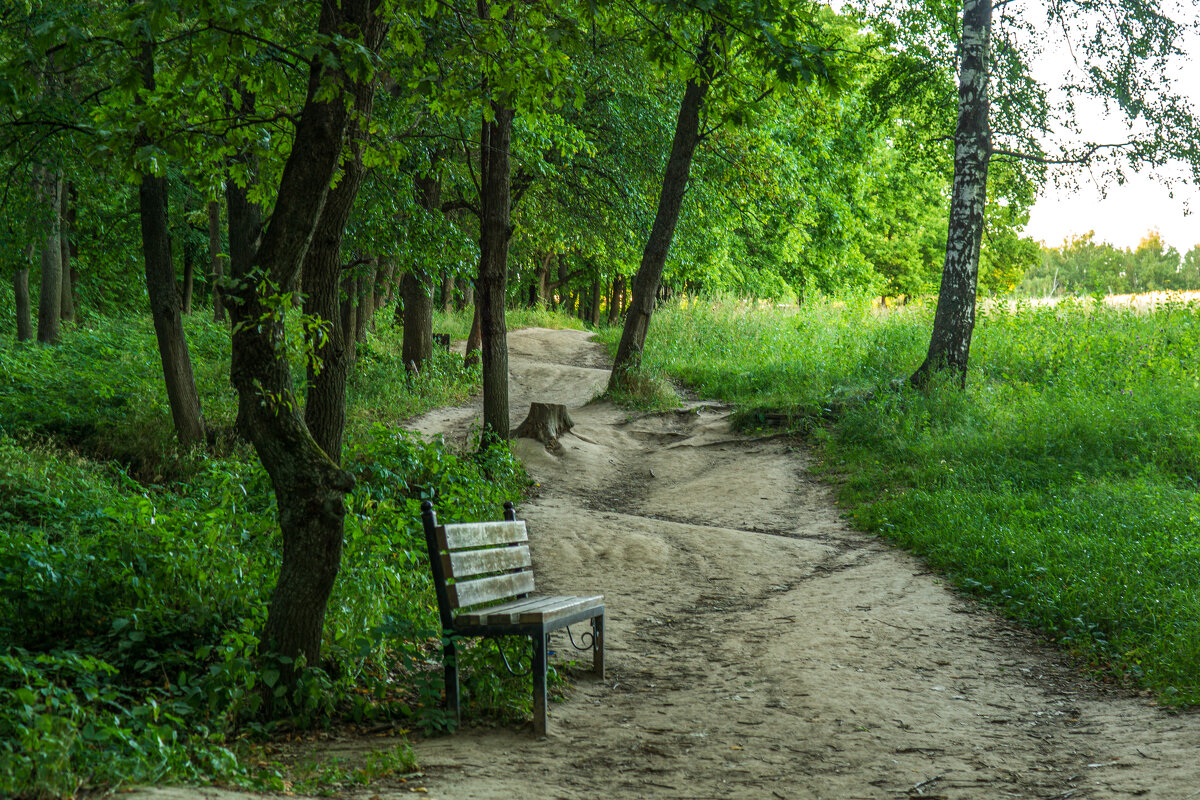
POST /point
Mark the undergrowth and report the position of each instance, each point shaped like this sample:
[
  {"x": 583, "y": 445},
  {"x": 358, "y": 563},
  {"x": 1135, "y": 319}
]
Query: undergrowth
[
  {"x": 135, "y": 575},
  {"x": 645, "y": 390},
  {"x": 1060, "y": 486}
]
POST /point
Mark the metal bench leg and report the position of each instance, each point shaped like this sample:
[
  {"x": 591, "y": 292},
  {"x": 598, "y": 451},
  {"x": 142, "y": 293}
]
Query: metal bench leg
[
  {"x": 598, "y": 646},
  {"x": 539, "y": 683},
  {"x": 450, "y": 661}
]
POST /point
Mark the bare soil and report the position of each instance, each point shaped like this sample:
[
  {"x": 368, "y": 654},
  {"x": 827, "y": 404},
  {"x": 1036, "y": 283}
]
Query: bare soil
[{"x": 758, "y": 647}]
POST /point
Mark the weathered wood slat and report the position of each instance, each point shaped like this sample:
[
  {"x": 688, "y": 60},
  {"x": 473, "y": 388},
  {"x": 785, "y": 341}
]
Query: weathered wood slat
[
  {"x": 466, "y": 563},
  {"x": 496, "y": 615},
  {"x": 485, "y": 590},
  {"x": 531, "y": 610},
  {"x": 560, "y": 607},
  {"x": 481, "y": 534},
  {"x": 510, "y": 614}
]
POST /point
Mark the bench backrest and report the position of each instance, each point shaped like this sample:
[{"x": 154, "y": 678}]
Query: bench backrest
[{"x": 477, "y": 562}]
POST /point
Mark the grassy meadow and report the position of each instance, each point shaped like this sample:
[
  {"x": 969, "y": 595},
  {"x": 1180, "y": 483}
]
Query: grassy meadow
[{"x": 1059, "y": 487}]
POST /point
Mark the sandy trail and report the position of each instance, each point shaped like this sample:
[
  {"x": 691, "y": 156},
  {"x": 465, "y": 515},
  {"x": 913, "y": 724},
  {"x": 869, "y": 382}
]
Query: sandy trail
[{"x": 758, "y": 647}]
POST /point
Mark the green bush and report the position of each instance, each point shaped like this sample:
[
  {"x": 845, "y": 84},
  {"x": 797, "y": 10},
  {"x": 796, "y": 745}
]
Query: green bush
[{"x": 133, "y": 590}]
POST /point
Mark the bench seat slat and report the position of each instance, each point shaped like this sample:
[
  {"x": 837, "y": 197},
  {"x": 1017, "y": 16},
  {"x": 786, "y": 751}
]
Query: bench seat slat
[
  {"x": 485, "y": 590},
  {"x": 531, "y": 611},
  {"x": 466, "y": 563},
  {"x": 561, "y": 607},
  {"x": 496, "y": 615},
  {"x": 481, "y": 534}
]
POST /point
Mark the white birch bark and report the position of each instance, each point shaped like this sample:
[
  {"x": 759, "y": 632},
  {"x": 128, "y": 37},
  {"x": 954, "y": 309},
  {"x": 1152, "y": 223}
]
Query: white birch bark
[{"x": 954, "y": 321}]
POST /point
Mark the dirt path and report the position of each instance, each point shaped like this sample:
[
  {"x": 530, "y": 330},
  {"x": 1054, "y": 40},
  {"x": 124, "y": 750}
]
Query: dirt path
[{"x": 760, "y": 648}]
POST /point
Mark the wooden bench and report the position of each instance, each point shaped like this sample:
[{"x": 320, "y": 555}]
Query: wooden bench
[{"x": 483, "y": 577}]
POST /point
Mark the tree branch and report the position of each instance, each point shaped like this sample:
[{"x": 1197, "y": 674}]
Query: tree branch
[{"x": 1084, "y": 158}]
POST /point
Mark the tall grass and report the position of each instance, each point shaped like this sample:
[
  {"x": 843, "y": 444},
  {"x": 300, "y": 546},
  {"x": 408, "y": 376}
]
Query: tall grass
[{"x": 1061, "y": 486}]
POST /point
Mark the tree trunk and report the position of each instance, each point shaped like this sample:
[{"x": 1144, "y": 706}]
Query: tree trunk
[
  {"x": 21, "y": 295},
  {"x": 384, "y": 272},
  {"x": 474, "y": 340},
  {"x": 189, "y": 277},
  {"x": 670, "y": 201},
  {"x": 546, "y": 423},
  {"x": 323, "y": 282},
  {"x": 348, "y": 319},
  {"x": 180, "y": 381},
  {"x": 365, "y": 318},
  {"x": 614, "y": 308},
  {"x": 417, "y": 288},
  {"x": 309, "y": 487},
  {"x": 417, "y": 347},
  {"x": 596, "y": 292},
  {"x": 70, "y": 199},
  {"x": 554, "y": 291},
  {"x": 215, "y": 266},
  {"x": 384, "y": 297},
  {"x": 245, "y": 228},
  {"x": 494, "y": 230},
  {"x": 954, "y": 320},
  {"x": 49, "y": 192},
  {"x": 182, "y": 396},
  {"x": 447, "y": 285},
  {"x": 542, "y": 280}
]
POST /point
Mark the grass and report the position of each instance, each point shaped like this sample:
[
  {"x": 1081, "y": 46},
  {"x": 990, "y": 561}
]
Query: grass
[
  {"x": 458, "y": 323},
  {"x": 644, "y": 389},
  {"x": 1060, "y": 487},
  {"x": 134, "y": 574}
]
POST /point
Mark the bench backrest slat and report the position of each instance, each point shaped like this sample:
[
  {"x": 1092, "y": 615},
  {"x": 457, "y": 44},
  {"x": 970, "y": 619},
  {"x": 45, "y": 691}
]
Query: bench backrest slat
[
  {"x": 483, "y": 534},
  {"x": 465, "y": 563},
  {"x": 477, "y": 562},
  {"x": 485, "y": 590}
]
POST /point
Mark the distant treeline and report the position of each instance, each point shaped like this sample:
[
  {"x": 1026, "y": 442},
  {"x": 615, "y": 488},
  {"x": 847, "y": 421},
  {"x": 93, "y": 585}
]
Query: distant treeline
[{"x": 1083, "y": 266}]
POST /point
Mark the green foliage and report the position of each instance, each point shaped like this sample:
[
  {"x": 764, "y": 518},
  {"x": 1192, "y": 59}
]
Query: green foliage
[
  {"x": 1004, "y": 261},
  {"x": 102, "y": 392},
  {"x": 371, "y": 394},
  {"x": 1061, "y": 486},
  {"x": 130, "y": 610},
  {"x": 1084, "y": 266}
]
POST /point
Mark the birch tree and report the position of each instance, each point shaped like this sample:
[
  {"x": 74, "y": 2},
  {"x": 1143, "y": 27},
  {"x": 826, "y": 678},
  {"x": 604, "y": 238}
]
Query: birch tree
[
  {"x": 950, "y": 345},
  {"x": 1124, "y": 51}
]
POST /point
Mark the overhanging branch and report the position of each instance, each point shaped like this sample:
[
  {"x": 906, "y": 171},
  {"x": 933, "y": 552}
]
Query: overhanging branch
[{"x": 1082, "y": 159}]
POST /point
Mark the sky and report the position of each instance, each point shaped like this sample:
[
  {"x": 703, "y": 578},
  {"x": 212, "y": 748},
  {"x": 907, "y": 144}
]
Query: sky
[
  {"x": 1119, "y": 214},
  {"x": 1122, "y": 218}
]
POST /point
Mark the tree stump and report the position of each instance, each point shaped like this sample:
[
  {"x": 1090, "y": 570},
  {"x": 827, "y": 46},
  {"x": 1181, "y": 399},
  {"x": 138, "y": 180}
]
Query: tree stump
[
  {"x": 442, "y": 340},
  {"x": 546, "y": 422}
]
